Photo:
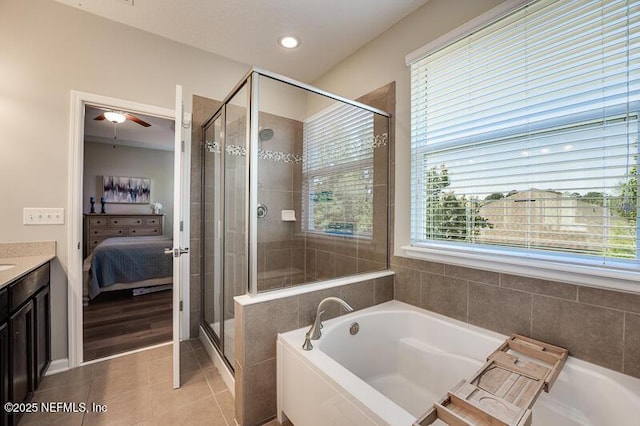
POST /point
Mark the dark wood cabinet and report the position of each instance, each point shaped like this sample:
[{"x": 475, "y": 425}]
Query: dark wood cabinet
[
  {"x": 42, "y": 338},
  {"x": 21, "y": 332},
  {"x": 25, "y": 337},
  {"x": 4, "y": 371}
]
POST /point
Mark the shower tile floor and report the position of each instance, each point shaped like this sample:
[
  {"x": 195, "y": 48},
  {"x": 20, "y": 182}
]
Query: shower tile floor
[{"x": 137, "y": 390}]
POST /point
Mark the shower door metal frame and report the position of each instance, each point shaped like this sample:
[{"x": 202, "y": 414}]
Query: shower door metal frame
[
  {"x": 218, "y": 341},
  {"x": 252, "y": 158}
]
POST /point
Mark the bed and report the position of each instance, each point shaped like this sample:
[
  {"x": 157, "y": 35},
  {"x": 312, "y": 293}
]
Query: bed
[{"x": 127, "y": 263}]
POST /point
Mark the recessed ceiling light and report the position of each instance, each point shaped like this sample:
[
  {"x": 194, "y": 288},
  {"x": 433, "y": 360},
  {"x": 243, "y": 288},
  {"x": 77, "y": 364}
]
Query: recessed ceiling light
[{"x": 289, "y": 42}]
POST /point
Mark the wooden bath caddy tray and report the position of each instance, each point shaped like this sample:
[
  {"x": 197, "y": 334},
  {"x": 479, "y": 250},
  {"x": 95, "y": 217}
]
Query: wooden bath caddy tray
[{"x": 504, "y": 390}]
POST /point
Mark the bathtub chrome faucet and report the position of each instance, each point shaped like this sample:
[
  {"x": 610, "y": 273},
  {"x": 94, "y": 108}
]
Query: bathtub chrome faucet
[{"x": 315, "y": 332}]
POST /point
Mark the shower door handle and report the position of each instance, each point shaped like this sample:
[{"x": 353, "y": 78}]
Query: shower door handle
[{"x": 176, "y": 252}]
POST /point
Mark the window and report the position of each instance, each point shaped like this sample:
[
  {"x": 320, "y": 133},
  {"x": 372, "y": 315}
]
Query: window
[
  {"x": 338, "y": 171},
  {"x": 525, "y": 135}
]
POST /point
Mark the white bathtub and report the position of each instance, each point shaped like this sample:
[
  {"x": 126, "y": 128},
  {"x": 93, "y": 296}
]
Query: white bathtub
[{"x": 404, "y": 358}]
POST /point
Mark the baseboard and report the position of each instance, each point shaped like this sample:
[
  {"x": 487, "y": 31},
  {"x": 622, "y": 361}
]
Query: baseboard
[
  {"x": 227, "y": 376},
  {"x": 58, "y": 366}
]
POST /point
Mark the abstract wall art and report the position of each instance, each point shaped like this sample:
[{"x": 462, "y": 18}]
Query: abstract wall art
[{"x": 130, "y": 190}]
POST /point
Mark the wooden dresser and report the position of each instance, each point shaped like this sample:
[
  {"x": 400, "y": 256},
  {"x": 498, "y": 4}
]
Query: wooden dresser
[{"x": 99, "y": 227}]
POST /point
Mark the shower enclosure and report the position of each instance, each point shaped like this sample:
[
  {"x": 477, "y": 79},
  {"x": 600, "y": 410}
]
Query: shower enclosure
[{"x": 295, "y": 185}]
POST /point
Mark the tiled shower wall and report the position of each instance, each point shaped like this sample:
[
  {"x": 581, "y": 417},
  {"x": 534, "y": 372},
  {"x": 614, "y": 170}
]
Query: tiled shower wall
[
  {"x": 286, "y": 255},
  {"x": 333, "y": 256},
  {"x": 280, "y": 248},
  {"x": 598, "y": 326},
  {"x": 312, "y": 256}
]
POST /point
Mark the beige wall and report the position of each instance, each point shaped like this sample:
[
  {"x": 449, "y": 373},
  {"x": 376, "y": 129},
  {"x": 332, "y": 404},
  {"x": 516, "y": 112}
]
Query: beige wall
[
  {"x": 101, "y": 159},
  {"x": 383, "y": 61},
  {"x": 48, "y": 49}
]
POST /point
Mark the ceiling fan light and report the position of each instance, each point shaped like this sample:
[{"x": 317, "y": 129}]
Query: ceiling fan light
[{"x": 115, "y": 117}]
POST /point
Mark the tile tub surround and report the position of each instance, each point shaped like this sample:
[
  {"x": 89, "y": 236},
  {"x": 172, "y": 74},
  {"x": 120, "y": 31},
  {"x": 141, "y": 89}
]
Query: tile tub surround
[
  {"x": 596, "y": 325},
  {"x": 256, "y": 329}
]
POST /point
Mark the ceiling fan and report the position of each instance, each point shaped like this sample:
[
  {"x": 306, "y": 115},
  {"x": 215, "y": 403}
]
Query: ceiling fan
[{"x": 117, "y": 117}]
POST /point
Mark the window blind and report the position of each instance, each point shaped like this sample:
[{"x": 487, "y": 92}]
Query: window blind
[
  {"x": 525, "y": 132},
  {"x": 337, "y": 171}
]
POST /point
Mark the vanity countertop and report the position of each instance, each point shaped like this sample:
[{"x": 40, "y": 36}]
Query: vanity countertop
[
  {"x": 25, "y": 256},
  {"x": 23, "y": 265}
]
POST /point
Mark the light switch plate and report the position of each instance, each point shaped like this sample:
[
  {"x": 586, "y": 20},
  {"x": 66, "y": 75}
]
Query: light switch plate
[{"x": 42, "y": 216}]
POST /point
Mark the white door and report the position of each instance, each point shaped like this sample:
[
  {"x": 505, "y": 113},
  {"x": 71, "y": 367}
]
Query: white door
[{"x": 180, "y": 248}]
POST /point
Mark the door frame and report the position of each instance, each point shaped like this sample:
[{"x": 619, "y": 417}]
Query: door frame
[{"x": 75, "y": 213}]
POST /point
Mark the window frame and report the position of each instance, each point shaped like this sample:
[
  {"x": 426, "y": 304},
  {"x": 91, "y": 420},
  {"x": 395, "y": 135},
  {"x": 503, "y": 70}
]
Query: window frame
[{"x": 596, "y": 271}]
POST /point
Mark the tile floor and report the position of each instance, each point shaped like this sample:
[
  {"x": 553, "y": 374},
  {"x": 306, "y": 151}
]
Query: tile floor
[{"x": 137, "y": 390}]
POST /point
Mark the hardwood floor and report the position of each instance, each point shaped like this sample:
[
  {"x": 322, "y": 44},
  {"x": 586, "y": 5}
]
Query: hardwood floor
[{"x": 117, "y": 322}]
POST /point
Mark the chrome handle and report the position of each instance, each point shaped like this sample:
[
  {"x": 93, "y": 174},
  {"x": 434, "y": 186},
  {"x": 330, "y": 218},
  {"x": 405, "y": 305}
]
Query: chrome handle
[{"x": 176, "y": 252}]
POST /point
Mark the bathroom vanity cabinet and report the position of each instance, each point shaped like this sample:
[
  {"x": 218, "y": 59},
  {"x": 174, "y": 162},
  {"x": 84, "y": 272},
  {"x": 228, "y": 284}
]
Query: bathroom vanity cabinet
[
  {"x": 25, "y": 337},
  {"x": 4, "y": 370}
]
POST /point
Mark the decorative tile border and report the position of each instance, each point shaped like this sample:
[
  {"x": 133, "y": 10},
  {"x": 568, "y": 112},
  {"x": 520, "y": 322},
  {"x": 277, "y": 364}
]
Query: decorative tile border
[
  {"x": 374, "y": 142},
  {"x": 279, "y": 157},
  {"x": 380, "y": 140},
  {"x": 236, "y": 150},
  {"x": 263, "y": 154},
  {"x": 213, "y": 147}
]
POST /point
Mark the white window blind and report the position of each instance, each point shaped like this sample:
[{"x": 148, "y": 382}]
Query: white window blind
[
  {"x": 337, "y": 171},
  {"x": 525, "y": 133}
]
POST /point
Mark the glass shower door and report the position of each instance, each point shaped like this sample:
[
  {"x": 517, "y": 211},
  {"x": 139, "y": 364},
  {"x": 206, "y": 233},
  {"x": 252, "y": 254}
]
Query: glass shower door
[
  {"x": 236, "y": 263},
  {"x": 224, "y": 225},
  {"x": 212, "y": 183}
]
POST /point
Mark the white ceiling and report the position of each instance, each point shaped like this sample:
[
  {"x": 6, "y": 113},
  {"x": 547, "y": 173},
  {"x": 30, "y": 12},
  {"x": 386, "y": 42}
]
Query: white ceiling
[
  {"x": 248, "y": 30},
  {"x": 160, "y": 135}
]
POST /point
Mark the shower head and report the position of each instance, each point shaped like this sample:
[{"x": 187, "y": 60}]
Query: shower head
[{"x": 265, "y": 134}]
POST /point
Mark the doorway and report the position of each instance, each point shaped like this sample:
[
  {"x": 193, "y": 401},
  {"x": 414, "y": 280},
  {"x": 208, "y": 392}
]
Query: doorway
[
  {"x": 127, "y": 223},
  {"x": 79, "y": 100}
]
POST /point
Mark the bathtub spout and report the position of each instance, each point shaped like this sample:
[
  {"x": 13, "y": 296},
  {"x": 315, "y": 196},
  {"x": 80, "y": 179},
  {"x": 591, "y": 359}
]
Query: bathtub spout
[{"x": 315, "y": 332}]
